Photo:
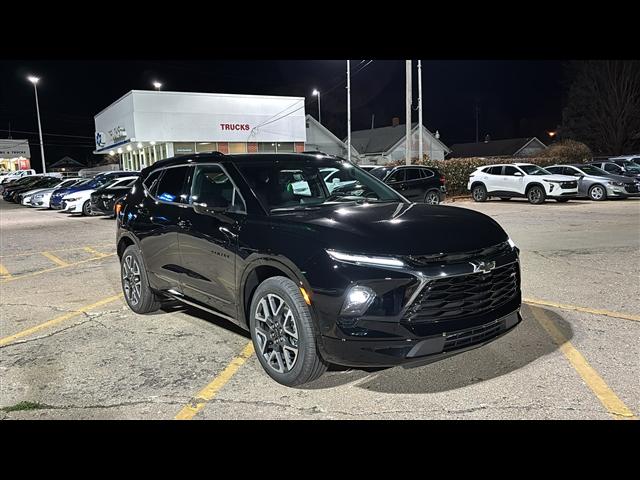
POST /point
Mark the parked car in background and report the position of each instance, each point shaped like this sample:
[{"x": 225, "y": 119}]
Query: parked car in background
[
  {"x": 596, "y": 184},
  {"x": 362, "y": 281},
  {"x": 94, "y": 183},
  {"x": 80, "y": 200},
  {"x": 104, "y": 198},
  {"x": 20, "y": 185},
  {"x": 635, "y": 158},
  {"x": 45, "y": 182},
  {"x": 9, "y": 176},
  {"x": 17, "y": 181},
  {"x": 42, "y": 198},
  {"x": 628, "y": 169},
  {"x": 415, "y": 183},
  {"x": 525, "y": 180}
]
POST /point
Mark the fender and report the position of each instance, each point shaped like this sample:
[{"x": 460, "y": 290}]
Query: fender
[{"x": 126, "y": 234}]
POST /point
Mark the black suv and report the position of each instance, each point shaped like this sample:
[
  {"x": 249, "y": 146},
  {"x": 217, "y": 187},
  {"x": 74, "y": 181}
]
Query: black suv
[
  {"x": 418, "y": 184},
  {"x": 360, "y": 278}
]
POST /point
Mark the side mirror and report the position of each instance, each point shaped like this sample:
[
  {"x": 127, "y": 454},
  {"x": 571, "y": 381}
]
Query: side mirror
[{"x": 517, "y": 174}]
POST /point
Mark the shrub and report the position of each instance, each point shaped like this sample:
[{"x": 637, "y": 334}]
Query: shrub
[{"x": 568, "y": 150}]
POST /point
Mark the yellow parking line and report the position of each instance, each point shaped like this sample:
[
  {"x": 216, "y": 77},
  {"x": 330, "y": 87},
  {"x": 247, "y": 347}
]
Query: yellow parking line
[
  {"x": 54, "y": 259},
  {"x": 210, "y": 391},
  {"x": 29, "y": 331},
  {"x": 26, "y": 254},
  {"x": 4, "y": 272},
  {"x": 594, "y": 381},
  {"x": 607, "y": 313},
  {"x": 95, "y": 252},
  {"x": 52, "y": 269}
]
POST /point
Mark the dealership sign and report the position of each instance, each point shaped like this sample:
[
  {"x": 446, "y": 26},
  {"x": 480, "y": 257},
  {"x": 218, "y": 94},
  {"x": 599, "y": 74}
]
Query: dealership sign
[
  {"x": 14, "y": 148},
  {"x": 117, "y": 134},
  {"x": 245, "y": 127}
]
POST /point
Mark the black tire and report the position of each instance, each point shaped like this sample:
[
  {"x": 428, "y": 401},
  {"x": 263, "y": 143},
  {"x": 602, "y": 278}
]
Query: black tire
[
  {"x": 308, "y": 364},
  {"x": 432, "y": 197},
  {"x": 479, "y": 193},
  {"x": 505, "y": 199},
  {"x": 562, "y": 200},
  {"x": 597, "y": 193},
  {"x": 147, "y": 300},
  {"x": 536, "y": 195},
  {"x": 86, "y": 208}
]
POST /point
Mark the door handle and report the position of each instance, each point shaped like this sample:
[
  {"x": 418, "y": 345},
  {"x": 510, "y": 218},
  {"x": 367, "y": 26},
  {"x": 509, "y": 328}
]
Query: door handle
[
  {"x": 184, "y": 224},
  {"x": 227, "y": 232}
]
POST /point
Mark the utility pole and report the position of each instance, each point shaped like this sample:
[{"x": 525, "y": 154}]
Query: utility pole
[
  {"x": 348, "y": 111},
  {"x": 408, "y": 114},
  {"x": 420, "y": 110}
]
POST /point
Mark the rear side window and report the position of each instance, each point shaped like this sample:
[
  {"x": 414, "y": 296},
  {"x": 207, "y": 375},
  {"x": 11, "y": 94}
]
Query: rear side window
[
  {"x": 171, "y": 185},
  {"x": 413, "y": 174},
  {"x": 151, "y": 182},
  {"x": 426, "y": 173},
  {"x": 494, "y": 170},
  {"x": 397, "y": 176}
]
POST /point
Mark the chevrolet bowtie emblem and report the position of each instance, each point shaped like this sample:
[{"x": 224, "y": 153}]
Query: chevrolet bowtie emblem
[{"x": 484, "y": 267}]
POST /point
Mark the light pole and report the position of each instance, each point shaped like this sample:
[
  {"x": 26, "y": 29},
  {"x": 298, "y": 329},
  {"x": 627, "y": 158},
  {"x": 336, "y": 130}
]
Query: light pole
[
  {"x": 157, "y": 85},
  {"x": 317, "y": 93},
  {"x": 35, "y": 80},
  {"x": 420, "y": 111},
  {"x": 348, "y": 110}
]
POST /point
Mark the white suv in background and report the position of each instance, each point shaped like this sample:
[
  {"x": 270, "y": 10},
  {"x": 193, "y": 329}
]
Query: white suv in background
[{"x": 521, "y": 180}]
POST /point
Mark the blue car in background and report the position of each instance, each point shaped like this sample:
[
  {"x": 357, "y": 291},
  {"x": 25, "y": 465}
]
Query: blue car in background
[{"x": 89, "y": 184}]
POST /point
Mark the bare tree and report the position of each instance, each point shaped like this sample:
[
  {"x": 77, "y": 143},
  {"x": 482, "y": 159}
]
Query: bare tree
[{"x": 603, "y": 105}]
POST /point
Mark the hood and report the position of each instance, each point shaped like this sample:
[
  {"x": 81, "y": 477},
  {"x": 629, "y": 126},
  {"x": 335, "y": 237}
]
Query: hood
[
  {"x": 393, "y": 228},
  {"x": 611, "y": 177},
  {"x": 558, "y": 178}
]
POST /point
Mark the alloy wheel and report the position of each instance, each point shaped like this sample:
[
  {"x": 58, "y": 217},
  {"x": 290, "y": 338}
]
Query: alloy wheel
[
  {"x": 432, "y": 198},
  {"x": 535, "y": 195},
  {"x": 276, "y": 333},
  {"x": 478, "y": 194},
  {"x": 597, "y": 193},
  {"x": 131, "y": 279}
]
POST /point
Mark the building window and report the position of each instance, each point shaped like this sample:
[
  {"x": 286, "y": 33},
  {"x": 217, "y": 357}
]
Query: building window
[
  {"x": 184, "y": 148},
  {"x": 237, "y": 147},
  {"x": 276, "y": 147},
  {"x": 206, "y": 147}
]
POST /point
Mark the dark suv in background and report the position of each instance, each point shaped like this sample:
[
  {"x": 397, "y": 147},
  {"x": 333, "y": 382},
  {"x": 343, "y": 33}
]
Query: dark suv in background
[
  {"x": 418, "y": 184},
  {"x": 359, "y": 277}
]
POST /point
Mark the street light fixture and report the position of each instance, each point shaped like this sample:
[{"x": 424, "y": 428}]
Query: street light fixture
[
  {"x": 317, "y": 93},
  {"x": 35, "y": 81},
  {"x": 157, "y": 85}
]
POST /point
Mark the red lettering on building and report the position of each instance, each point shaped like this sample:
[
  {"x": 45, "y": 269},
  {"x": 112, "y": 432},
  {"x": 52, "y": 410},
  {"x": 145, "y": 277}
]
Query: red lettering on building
[{"x": 234, "y": 126}]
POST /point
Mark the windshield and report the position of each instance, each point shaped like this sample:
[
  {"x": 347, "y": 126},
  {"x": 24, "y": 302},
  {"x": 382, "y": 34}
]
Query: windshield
[
  {"x": 533, "y": 170},
  {"x": 632, "y": 167},
  {"x": 591, "y": 170},
  {"x": 295, "y": 184}
]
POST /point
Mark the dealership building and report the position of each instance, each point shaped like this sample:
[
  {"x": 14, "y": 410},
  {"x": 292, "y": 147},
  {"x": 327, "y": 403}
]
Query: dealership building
[
  {"x": 14, "y": 155},
  {"x": 145, "y": 126}
]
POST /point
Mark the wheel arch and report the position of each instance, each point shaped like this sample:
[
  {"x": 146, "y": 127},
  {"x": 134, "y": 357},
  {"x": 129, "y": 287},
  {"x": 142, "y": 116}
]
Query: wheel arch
[
  {"x": 534, "y": 184},
  {"x": 477, "y": 183},
  {"x": 124, "y": 242}
]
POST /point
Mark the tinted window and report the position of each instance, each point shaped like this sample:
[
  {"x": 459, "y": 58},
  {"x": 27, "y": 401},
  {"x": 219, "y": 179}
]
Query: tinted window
[
  {"x": 610, "y": 167},
  {"x": 494, "y": 170},
  {"x": 413, "y": 174},
  {"x": 397, "y": 176},
  {"x": 379, "y": 172},
  {"x": 426, "y": 173},
  {"x": 211, "y": 187},
  {"x": 557, "y": 170},
  {"x": 533, "y": 170},
  {"x": 171, "y": 185},
  {"x": 151, "y": 182},
  {"x": 509, "y": 170}
]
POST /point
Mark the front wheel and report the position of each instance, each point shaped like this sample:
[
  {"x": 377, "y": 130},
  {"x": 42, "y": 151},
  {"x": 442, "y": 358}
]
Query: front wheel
[
  {"x": 86, "y": 208},
  {"x": 597, "y": 193},
  {"x": 283, "y": 334},
  {"x": 536, "y": 195},
  {"x": 432, "y": 198},
  {"x": 479, "y": 193},
  {"x": 135, "y": 283}
]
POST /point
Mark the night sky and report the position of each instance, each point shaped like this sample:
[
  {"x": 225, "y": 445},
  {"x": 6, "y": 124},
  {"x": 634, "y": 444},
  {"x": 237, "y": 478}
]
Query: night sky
[{"x": 516, "y": 98}]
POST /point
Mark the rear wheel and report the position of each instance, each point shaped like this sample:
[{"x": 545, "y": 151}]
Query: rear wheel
[
  {"x": 283, "y": 334},
  {"x": 135, "y": 283},
  {"x": 536, "y": 195},
  {"x": 432, "y": 198},
  {"x": 597, "y": 193},
  {"x": 479, "y": 193}
]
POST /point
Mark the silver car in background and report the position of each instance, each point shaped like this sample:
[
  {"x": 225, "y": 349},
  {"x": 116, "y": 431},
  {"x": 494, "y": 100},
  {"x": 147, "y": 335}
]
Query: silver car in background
[{"x": 596, "y": 184}]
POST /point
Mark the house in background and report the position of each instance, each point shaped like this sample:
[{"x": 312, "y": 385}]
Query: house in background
[
  {"x": 66, "y": 166},
  {"x": 321, "y": 139},
  {"x": 510, "y": 147},
  {"x": 378, "y": 146}
]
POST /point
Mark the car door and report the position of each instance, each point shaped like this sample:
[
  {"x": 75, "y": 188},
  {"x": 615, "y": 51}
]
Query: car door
[
  {"x": 396, "y": 181},
  {"x": 156, "y": 225},
  {"x": 512, "y": 180},
  {"x": 492, "y": 178},
  {"x": 208, "y": 238},
  {"x": 414, "y": 184}
]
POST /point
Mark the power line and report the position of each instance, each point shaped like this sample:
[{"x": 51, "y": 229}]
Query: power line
[{"x": 47, "y": 134}]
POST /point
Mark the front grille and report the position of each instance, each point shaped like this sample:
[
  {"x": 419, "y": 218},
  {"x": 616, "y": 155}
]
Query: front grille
[
  {"x": 470, "y": 336},
  {"x": 631, "y": 188},
  {"x": 445, "y": 258},
  {"x": 567, "y": 185},
  {"x": 464, "y": 295}
]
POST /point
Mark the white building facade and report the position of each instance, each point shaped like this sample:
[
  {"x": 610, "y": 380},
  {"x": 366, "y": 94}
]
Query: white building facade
[
  {"x": 143, "y": 126},
  {"x": 14, "y": 155}
]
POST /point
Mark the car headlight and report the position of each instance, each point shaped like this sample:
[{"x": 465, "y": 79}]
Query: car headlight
[
  {"x": 365, "y": 259},
  {"x": 72, "y": 199},
  {"x": 358, "y": 300},
  {"x": 511, "y": 243},
  {"x": 550, "y": 181},
  {"x": 616, "y": 184}
]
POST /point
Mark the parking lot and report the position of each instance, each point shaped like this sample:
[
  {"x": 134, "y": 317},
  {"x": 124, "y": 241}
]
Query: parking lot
[{"x": 71, "y": 349}]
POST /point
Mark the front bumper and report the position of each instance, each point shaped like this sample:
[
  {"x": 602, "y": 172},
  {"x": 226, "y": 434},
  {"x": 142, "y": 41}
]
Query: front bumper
[{"x": 71, "y": 207}]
